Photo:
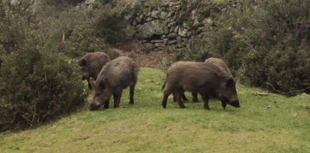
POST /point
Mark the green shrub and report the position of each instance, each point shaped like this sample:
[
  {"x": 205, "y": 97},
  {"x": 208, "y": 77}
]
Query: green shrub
[
  {"x": 104, "y": 26},
  {"x": 265, "y": 41},
  {"x": 195, "y": 51},
  {"x": 37, "y": 86},
  {"x": 36, "y": 83}
]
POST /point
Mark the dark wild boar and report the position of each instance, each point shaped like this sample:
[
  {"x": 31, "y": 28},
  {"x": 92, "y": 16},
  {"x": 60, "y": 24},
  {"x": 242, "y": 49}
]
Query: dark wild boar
[
  {"x": 91, "y": 64},
  {"x": 115, "y": 76},
  {"x": 202, "y": 78},
  {"x": 220, "y": 64}
]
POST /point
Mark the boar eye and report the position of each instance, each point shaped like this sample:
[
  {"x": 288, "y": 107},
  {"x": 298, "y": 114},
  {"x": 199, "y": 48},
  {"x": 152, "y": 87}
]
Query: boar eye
[{"x": 97, "y": 94}]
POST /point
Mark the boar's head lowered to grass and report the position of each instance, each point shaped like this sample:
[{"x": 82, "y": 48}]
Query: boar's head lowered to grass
[{"x": 115, "y": 76}]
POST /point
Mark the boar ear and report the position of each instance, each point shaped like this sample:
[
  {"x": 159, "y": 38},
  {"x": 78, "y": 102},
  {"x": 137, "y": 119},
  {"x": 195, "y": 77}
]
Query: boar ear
[
  {"x": 83, "y": 62},
  {"x": 102, "y": 85},
  {"x": 230, "y": 83},
  {"x": 92, "y": 82}
]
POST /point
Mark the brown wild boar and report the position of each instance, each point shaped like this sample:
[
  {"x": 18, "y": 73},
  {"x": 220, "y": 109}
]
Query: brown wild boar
[
  {"x": 115, "y": 76},
  {"x": 202, "y": 78},
  {"x": 220, "y": 64},
  {"x": 91, "y": 64}
]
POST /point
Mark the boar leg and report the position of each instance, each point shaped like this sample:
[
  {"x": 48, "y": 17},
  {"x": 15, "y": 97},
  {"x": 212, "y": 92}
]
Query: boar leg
[
  {"x": 166, "y": 94},
  {"x": 117, "y": 98},
  {"x": 183, "y": 97},
  {"x": 174, "y": 97},
  {"x": 205, "y": 98},
  {"x": 224, "y": 104},
  {"x": 195, "y": 96},
  {"x": 178, "y": 97},
  {"x": 132, "y": 89},
  {"x": 106, "y": 103}
]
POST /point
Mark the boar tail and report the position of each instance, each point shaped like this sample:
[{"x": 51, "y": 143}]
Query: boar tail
[{"x": 163, "y": 86}]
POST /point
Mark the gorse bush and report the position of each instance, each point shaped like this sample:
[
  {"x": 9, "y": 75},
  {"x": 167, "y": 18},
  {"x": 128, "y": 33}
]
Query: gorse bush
[{"x": 36, "y": 83}]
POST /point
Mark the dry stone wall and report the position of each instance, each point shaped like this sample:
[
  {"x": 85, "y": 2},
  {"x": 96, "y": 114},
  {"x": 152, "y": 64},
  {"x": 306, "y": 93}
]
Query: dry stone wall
[{"x": 167, "y": 24}]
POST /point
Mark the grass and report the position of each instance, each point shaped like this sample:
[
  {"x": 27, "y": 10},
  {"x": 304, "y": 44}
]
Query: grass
[{"x": 270, "y": 123}]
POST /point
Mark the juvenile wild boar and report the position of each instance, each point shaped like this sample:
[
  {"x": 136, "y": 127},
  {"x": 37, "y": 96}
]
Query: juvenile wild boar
[
  {"x": 91, "y": 64},
  {"x": 202, "y": 78},
  {"x": 220, "y": 64},
  {"x": 115, "y": 76}
]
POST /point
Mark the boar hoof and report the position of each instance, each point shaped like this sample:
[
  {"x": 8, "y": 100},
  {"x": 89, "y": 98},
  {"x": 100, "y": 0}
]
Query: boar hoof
[{"x": 207, "y": 107}]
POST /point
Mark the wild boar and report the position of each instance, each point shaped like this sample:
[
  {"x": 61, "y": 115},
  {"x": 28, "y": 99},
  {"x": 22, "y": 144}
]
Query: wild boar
[
  {"x": 115, "y": 76},
  {"x": 91, "y": 64},
  {"x": 220, "y": 64},
  {"x": 202, "y": 78}
]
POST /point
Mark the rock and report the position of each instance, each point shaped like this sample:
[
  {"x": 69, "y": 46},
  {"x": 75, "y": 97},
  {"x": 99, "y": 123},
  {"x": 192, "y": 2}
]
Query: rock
[
  {"x": 165, "y": 3},
  {"x": 193, "y": 12},
  {"x": 176, "y": 29},
  {"x": 166, "y": 30},
  {"x": 184, "y": 44},
  {"x": 148, "y": 19},
  {"x": 171, "y": 42},
  {"x": 171, "y": 24},
  {"x": 134, "y": 22},
  {"x": 189, "y": 34},
  {"x": 172, "y": 36},
  {"x": 165, "y": 41},
  {"x": 185, "y": 25},
  {"x": 157, "y": 41},
  {"x": 140, "y": 18},
  {"x": 150, "y": 29},
  {"x": 184, "y": 39},
  {"x": 179, "y": 39},
  {"x": 163, "y": 37},
  {"x": 170, "y": 14},
  {"x": 154, "y": 14},
  {"x": 182, "y": 32},
  {"x": 178, "y": 45},
  {"x": 159, "y": 45},
  {"x": 171, "y": 30},
  {"x": 196, "y": 22},
  {"x": 163, "y": 15},
  {"x": 128, "y": 17},
  {"x": 174, "y": 5},
  {"x": 148, "y": 14}
]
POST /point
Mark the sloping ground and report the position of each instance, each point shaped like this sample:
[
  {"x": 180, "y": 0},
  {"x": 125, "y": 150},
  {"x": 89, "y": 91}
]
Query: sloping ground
[{"x": 270, "y": 123}]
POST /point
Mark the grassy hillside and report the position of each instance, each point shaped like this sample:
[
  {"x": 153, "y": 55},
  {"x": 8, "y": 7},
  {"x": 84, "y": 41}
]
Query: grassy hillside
[{"x": 271, "y": 123}]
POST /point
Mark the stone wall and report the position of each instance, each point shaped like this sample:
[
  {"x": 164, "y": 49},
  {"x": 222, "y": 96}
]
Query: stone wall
[{"x": 170, "y": 24}]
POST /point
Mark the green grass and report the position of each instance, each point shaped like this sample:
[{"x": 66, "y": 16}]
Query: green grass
[{"x": 147, "y": 127}]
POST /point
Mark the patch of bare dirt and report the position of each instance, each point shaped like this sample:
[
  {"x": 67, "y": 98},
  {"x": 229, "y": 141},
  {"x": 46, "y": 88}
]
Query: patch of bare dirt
[{"x": 143, "y": 56}]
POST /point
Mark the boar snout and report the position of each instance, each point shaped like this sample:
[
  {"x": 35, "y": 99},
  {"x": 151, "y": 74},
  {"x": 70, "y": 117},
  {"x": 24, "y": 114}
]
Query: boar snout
[
  {"x": 235, "y": 104},
  {"x": 93, "y": 106}
]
